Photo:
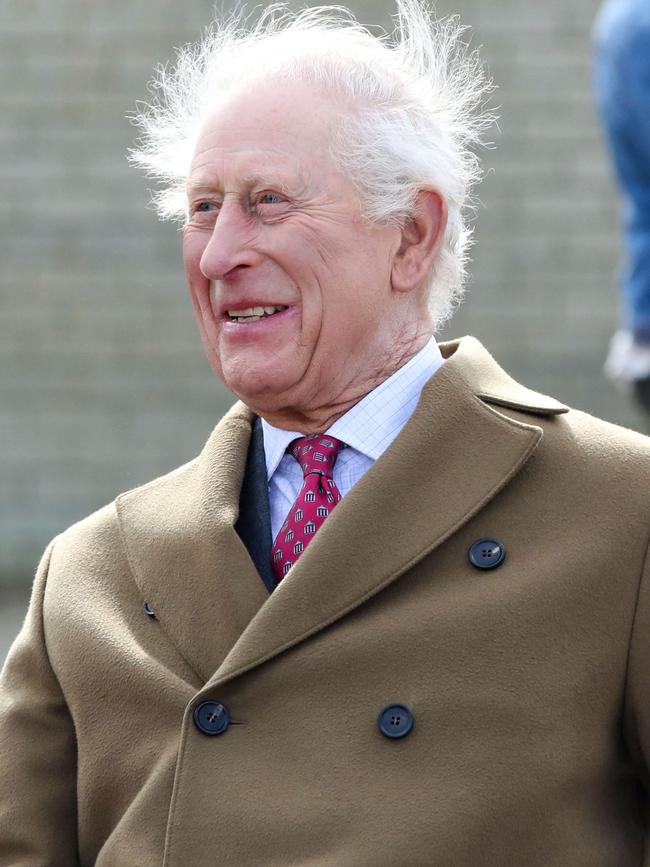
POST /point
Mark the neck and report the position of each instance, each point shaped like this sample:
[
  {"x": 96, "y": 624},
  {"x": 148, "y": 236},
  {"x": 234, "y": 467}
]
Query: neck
[{"x": 319, "y": 418}]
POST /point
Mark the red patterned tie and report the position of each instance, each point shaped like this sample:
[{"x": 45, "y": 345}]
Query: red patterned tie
[{"x": 319, "y": 494}]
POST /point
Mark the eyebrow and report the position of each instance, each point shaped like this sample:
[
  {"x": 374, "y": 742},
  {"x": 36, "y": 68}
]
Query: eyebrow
[{"x": 200, "y": 185}]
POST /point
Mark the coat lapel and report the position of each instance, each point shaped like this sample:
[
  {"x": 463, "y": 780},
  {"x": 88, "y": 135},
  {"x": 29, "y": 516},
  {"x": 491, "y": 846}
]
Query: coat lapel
[
  {"x": 187, "y": 560},
  {"x": 191, "y": 566},
  {"x": 452, "y": 457}
]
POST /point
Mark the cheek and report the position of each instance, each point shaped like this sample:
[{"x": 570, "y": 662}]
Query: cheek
[
  {"x": 194, "y": 244},
  {"x": 199, "y": 291}
]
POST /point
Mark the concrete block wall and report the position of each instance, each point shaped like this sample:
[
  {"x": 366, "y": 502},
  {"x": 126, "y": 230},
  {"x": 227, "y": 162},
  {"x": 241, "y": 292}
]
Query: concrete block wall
[
  {"x": 102, "y": 379},
  {"x": 544, "y": 273}
]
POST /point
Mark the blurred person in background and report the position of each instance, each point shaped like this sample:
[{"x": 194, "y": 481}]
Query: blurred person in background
[
  {"x": 397, "y": 612},
  {"x": 622, "y": 33}
]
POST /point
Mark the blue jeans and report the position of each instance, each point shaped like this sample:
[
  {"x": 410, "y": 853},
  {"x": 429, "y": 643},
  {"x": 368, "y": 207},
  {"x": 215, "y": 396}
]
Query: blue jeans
[{"x": 623, "y": 89}]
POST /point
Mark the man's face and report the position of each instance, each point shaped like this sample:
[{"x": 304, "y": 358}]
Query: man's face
[{"x": 275, "y": 229}]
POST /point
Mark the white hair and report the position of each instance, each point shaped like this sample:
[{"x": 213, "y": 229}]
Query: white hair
[{"x": 416, "y": 112}]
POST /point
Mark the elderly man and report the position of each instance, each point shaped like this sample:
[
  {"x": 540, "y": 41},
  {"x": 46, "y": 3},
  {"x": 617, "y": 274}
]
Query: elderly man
[{"x": 396, "y": 612}]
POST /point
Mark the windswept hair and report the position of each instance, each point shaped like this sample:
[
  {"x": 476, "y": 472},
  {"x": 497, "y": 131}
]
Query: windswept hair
[{"x": 415, "y": 115}]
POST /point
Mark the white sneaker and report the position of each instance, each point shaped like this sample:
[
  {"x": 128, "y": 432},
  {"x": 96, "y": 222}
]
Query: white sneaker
[{"x": 627, "y": 360}]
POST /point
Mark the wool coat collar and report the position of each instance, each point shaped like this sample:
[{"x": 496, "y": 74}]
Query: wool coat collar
[{"x": 453, "y": 456}]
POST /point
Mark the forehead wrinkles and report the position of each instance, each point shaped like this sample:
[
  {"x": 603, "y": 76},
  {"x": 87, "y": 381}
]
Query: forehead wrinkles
[
  {"x": 276, "y": 128},
  {"x": 218, "y": 172},
  {"x": 280, "y": 131}
]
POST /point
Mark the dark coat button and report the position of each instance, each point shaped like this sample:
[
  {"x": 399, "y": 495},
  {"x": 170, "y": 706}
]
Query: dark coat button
[
  {"x": 211, "y": 718},
  {"x": 395, "y": 721},
  {"x": 487, "y": 553},
  {"x": 148, "y": 610}
]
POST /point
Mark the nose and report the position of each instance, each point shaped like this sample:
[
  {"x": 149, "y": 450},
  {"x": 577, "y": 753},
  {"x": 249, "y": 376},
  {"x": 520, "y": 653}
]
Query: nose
[{"x": 230, "y": 246}]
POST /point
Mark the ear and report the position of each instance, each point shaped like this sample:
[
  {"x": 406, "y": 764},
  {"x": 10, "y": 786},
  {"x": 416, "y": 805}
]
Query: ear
[{"x": 422, "y": 238}]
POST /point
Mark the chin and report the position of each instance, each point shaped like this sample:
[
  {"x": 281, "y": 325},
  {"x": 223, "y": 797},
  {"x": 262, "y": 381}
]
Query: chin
[
  {"x": 258, "y": 390},
  {"x": 262, "y": 380}
]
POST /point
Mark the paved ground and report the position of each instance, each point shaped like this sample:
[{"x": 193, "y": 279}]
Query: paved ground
[{"x": 12, "y": 612}]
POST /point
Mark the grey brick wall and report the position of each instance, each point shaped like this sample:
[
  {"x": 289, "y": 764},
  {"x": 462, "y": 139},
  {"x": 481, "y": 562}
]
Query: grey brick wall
[
  {"x": 545, "y": 263},
  {"x": 103, "y": 383}
]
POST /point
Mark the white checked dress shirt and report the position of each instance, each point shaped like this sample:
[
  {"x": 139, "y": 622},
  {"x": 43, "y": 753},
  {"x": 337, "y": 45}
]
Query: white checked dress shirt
[{"x": 367, "y": 429}]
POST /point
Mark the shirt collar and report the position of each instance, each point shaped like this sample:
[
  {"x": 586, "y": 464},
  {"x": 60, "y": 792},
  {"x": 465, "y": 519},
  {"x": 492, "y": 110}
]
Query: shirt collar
[
  {"x": 371, "y": 425},
  {"x": 275, "y": 445}
]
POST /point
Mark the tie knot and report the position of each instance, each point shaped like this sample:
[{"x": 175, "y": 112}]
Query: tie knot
[{"x": 316, "y": 453}]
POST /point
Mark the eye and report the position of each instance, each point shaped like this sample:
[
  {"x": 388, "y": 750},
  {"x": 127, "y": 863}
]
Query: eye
[
  {"x": 269, "y": 199},
  {"x": 204, "y": 213}
]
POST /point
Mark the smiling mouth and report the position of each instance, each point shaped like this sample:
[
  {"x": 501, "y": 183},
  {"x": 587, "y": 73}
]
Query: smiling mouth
[{"x": 252, "y": 314}]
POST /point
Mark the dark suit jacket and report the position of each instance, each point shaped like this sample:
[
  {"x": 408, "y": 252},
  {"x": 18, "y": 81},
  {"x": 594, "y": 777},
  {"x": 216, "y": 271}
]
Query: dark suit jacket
[{"x": 253, "y": 525}]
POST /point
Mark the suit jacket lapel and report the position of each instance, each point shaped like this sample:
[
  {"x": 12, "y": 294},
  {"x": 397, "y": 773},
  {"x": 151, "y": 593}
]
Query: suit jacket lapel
[{"x": 254, "y": 523}]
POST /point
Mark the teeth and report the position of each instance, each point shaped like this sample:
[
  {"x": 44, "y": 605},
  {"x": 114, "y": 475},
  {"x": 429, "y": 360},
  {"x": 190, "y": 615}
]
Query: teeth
[
  {"x": 247, "y": 311},
  {"x": 252, "y": 314}
]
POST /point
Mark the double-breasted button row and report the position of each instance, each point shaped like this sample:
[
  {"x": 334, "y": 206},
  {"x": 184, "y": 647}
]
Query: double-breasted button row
[
  {"x": 395, "y": 720},
  {"x": 213, "y": 718}
]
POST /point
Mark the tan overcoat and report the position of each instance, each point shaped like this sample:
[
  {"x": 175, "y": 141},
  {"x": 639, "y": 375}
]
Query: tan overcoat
[{"x": 529, "y": 683}]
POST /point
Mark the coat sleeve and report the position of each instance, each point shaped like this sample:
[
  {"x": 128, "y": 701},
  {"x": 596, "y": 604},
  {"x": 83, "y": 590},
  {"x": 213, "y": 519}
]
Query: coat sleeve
[{"x": 38, "y": 821}]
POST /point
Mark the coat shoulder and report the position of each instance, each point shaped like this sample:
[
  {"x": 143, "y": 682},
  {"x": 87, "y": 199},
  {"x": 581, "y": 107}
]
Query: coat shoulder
[
  {"x": 610, "y": 464},
  {"x": 164, "y": 506},
  {"x": 607, "y": 439},
  {"x": 102, "y": 524},
  {"x": 604, "y": 445},
  {"x": 583, "y": 446}
]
